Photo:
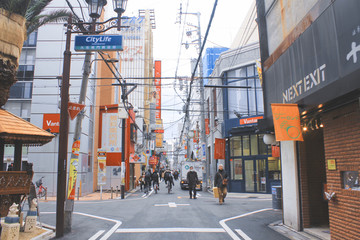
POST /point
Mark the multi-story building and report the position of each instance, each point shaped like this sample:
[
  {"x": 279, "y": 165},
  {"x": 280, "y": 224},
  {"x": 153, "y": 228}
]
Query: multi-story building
[
  {"x": 36, "y": 96},
  {"x": 309, "y": 52}
]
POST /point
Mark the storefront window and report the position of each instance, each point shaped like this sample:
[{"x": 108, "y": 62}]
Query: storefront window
[
  {"x": 350, "y": 180},
  {"x": 236, "y": 169},
  {"x": 263, "y": 148},
  {"x": 254, "y": 145},
  {"x": 274, "y": 167},
  {"x": 235, "y": 146},
  {"x": 246, "y": 146}
]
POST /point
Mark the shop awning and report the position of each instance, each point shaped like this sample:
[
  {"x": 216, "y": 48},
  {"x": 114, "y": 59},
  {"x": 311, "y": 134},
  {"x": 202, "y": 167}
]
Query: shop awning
[{"x": 15, "y": 129}]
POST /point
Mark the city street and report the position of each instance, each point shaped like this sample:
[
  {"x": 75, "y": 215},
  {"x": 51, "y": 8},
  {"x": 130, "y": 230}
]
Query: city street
[{"x": 170, "y": 216}]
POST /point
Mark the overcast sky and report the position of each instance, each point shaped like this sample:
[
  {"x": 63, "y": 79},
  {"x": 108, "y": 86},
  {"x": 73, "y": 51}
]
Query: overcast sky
[{"x": 228, "y": 17}]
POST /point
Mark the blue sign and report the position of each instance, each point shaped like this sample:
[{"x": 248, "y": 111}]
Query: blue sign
[{"x": 99, "y": 43}]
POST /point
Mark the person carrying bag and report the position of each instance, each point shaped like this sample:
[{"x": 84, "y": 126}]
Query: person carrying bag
[{"x": 221, "y": 181}]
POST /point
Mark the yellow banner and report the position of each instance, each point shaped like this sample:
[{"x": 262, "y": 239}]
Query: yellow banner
[
  {"x": 287, "y": 122},
  {"x": 74, "y": 162}
]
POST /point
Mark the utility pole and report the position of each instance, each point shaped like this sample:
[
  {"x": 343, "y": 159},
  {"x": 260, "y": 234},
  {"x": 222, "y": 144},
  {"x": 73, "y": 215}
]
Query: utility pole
[
  {"x": 69, "y": 203},
  {"x": 63, "y": 137},
  {"x": 202, "y": 100}
]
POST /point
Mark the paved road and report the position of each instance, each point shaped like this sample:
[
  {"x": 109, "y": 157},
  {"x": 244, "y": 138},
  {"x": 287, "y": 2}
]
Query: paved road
[{"x": 170, "y": 216}]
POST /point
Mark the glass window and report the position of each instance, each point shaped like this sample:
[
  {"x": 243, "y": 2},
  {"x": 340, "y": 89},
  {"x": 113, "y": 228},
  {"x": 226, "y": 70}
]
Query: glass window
[
  {"x": 21, "y": 90},
  {"x": 350, "y": 180},
  {"x": 235, "y": 146},
  {"x": 246, "y": 146},
  {"x": 236, "y": 169},
  {"x": 25, "y": 73},
  {"x": 244, "y": 101},
  {"x": 31, "y": 40},
  {"x": 254, "y": 145},
  {"x": 263, "y": 148},
  {"x": 252, "y": 97},
  {"x": 250, "y": 71},
  {"x": 274, "y": 167}
]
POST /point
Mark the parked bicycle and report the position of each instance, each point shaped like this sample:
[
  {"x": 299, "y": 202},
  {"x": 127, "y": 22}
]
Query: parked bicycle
[{"x": 41, "y": 190}]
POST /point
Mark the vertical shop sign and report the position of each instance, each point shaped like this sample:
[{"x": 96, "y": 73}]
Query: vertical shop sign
[
  {"x": 101, "y": 167},
  {"x": 207, "y": 129},
  {"x": 287, "y": 122},
  {"x": 158, "y": 89}
]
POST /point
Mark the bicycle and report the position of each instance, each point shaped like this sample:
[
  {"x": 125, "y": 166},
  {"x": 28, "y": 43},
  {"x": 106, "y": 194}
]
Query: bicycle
[{"x": 41, "y": 189}]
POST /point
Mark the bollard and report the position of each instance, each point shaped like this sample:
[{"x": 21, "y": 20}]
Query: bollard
[
  {"x": 78, "y": 194},
  {"x": 111, "y": 192}
]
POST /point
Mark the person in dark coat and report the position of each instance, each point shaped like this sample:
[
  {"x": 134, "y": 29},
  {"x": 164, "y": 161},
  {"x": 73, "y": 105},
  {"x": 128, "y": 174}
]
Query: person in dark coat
[
  {"x": 192, "y": 179},
  {"x": 221, "y": 179}
]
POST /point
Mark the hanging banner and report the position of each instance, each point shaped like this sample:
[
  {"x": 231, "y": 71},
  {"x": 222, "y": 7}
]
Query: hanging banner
[
  {"x": 287, "y": 122},
  {"x": 74, "y": 162},
  {"x": 158, "y": 89},
  {"x": 219, "y": 152},
  {"x": 207, "y": 128},
  {"x": 101, "y": 167},
  {"x": 111, "y": 133}
]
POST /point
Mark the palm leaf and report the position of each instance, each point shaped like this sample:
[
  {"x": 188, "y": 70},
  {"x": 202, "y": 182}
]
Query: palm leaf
[
  {"x": 40, "y": 20},
  {"x": 15, "y": 6}
]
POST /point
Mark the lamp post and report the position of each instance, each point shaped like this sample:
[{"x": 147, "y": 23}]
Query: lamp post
[{"x": 95, "y": 9}]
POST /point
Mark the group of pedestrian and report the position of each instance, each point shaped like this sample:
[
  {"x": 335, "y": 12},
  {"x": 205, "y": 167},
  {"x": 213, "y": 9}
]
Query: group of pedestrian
[{"x": 221, "y": 181}]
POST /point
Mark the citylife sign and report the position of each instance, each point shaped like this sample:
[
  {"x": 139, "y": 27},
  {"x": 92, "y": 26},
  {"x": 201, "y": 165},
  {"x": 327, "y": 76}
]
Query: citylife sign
[{"x": 99, "y": 42}]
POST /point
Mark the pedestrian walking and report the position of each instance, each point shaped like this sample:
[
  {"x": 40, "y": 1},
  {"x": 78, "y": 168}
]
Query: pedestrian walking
[
  {"x": 192, "y": 179},
  {"x": 148, "y": 180},
  {"x": 155, "y": 179},
  {"x": 221, "y": 180},
  {"x": 141, "y": 181}
]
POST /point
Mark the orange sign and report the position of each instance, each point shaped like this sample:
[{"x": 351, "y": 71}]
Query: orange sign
[
  {"x": 158, "y": 89},
  {"x": 153, "y": 160},
  {"x": 287, "y": 122},
  {"x": 275, "y": 151},
  {"x": 76, "y": 148},
  {"x": 51, "y": 121},
  {"x": 74, "y": 109},
  {"x": 207, "y": 129},
  {"x": 219, "y": 152},
  {"x": 250, "y": 120}
]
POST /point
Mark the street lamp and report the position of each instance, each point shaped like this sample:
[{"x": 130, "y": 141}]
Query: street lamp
[
  {"x": 93, "y": 27},
  {"x": 95, "y": 7}
]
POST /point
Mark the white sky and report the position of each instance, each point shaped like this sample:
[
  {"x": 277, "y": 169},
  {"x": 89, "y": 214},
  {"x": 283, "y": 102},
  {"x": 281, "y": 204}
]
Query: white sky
[{"x": 228, "y": 17}]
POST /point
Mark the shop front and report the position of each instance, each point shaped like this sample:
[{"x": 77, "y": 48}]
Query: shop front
[{"x": 252, "y": 167}]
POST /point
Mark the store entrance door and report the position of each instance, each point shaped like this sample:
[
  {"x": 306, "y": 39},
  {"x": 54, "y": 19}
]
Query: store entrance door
[{"x": 255, "y": 175}]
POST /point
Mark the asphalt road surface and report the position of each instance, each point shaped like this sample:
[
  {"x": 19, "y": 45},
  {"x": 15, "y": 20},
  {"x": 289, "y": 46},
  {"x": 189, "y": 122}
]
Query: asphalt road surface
[{"x": 170, "y": 216}]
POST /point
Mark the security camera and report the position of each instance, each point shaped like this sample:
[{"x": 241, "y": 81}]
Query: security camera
[{"x": 136, "y": 110}]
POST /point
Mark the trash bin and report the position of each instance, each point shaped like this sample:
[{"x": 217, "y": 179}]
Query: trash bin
[{"x": 276, "y": 197}]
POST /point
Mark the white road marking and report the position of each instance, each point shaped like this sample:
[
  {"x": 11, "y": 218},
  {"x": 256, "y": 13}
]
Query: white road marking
[
  {"x": 231, "y": 233},
  {"x": 242, "y": 234},
  {"x": 160, "y": 230},
  {"x": 97, "y": 235},
  {"x": 171, "y": 204},
  {"x": 108, "y": 234},
  {"x": 147, "y": 195}
]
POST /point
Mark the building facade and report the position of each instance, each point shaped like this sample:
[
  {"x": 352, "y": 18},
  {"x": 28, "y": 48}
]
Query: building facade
[{"x": 309, "y": 56}]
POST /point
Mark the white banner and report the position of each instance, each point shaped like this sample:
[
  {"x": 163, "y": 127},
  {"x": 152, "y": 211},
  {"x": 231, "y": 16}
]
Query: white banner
[{"x": 111, "y": 133}]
